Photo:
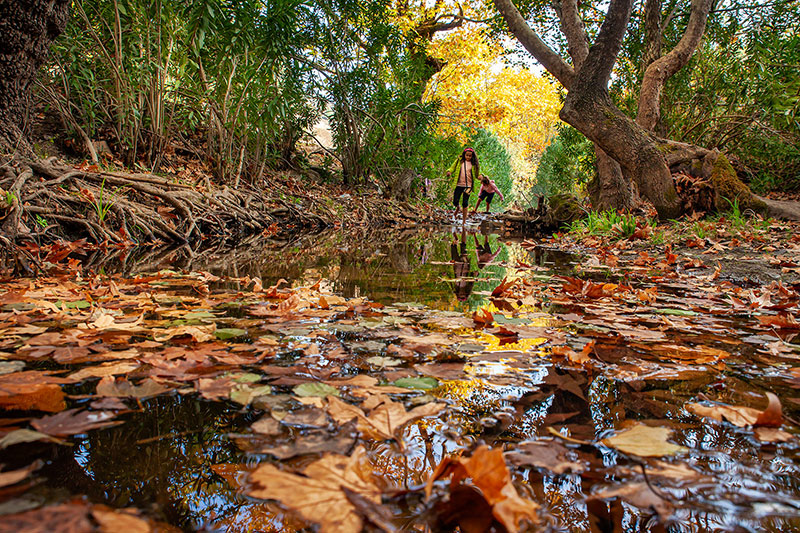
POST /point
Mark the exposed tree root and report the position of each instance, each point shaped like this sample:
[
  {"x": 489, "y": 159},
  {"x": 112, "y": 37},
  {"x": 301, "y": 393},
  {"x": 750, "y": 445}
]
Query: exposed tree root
[{"x": 47, "y": 200}]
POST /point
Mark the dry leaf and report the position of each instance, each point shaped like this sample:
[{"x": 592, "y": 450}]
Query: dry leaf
[
  {"x": 488, "y": 472},
  {"x": 386, "y": 418},
  {"x": 317, "y": 494},
  {"x": 73, "y": 421}
]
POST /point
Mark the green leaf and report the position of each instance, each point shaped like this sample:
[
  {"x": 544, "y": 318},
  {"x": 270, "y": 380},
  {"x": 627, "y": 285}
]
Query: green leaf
[
  {"x": 315, "y": 389},
  {"x": 229, "y": 333},
  {"x": 676, "y": 312},
  {"x": 421, "y": 383},
  {"x": 79, "y": 304}
]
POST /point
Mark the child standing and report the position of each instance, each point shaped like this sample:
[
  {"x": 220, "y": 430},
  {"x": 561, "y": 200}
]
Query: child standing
[
  {"x": 467, "y": 169},
  {"x": 488, "y": 190}
]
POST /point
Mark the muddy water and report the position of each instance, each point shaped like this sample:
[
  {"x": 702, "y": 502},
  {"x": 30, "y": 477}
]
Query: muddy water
[{"x": 166, "y": 459}]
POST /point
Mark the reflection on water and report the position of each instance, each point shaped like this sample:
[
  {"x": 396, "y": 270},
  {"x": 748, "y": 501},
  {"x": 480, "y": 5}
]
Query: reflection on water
[{"x": 179, "y": 458}]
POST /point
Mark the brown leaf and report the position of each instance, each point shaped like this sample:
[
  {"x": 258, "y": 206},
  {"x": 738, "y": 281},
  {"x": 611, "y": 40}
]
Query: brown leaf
[
  {"x": 639, "y": 495},
  {"x": 548, "y": 454},
  {"x": 15, "y": 476},
  {"x": 119, "y": 520},
  {"x": 315, "y": 441},
  {"x": 482, "y": 317},
  {"x": 743, "y": 416},
  {"x": 385, "y": 420},
  {"x": 489, "y": 473},
  {"x": 198, "y": 333},
  {"x": 63, "y": 518},
  {"x": 108, "y": 369},
  {"x": 123, "y": 388},
  {"x": 772, "y": 416},
  {"x": 782, "y": 320},
  {"x": 317, "y": 494},
  {"x": 32, "y": 389},
  {"x": 73, "y": 421}
]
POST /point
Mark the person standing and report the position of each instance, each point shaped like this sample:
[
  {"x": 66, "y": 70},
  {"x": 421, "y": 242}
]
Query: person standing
[
  {"x": 466, "y": 169},
  {"x": 487, "y": 192}
]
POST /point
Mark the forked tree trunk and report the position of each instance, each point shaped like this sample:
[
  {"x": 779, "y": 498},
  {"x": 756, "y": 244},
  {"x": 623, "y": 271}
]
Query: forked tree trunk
[
  {"x": 27, "y": 27},
  {"x": 635, "y": 149}
]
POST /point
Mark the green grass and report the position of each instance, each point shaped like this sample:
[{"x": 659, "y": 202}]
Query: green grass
[{"x": 605, "y": 223}]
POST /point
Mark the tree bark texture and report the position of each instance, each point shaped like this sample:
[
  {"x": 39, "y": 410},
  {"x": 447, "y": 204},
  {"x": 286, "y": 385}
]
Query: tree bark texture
[
  {"x": 27, "y": 28},
  {"x": 663, "y": 68},
  {"x": 610, "y": 189}
]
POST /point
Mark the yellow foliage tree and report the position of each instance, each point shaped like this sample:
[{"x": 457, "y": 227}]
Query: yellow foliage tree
[{"x": 478, "y": 89}]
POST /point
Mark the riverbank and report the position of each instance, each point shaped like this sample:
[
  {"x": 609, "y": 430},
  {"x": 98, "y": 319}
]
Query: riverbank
[{"x": 50, "y": 200}]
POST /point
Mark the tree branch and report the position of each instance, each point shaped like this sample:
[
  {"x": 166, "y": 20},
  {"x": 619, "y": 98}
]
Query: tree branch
[
  {"x": 550, "y": 60},
  {"x": 663, "y": 68},
  {"x": 574, "y": 30}
]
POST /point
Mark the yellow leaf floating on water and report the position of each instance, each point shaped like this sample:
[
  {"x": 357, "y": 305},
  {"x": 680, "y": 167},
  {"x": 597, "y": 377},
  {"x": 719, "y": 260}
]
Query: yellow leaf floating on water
[{"x": 644, "y": 441}]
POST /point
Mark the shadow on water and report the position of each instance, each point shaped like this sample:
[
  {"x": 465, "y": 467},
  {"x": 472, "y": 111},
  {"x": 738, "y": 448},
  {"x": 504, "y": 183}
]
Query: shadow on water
[{"x": 165, "y": 459}]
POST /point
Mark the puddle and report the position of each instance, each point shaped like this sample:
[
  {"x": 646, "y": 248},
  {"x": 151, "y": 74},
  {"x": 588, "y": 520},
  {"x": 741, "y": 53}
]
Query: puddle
[{"x": 184, "y": 460}]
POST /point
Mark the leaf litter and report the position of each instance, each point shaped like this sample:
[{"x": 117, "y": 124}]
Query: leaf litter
[{"x": 637, "y": 355}]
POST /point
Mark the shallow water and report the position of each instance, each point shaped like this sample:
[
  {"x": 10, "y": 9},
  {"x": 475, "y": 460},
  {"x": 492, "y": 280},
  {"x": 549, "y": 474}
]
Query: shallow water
[{"x": 166, "y": 457}]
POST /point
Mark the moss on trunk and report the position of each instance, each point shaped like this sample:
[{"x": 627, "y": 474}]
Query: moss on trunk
[{"x": 730, "y": 189}]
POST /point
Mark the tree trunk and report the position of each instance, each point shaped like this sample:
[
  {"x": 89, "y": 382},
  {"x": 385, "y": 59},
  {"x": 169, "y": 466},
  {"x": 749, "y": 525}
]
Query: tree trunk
[
  {"x": 594, "y": 115},
  {"x": 610, "y": 189},
  {"x": 27, "y": 27}
]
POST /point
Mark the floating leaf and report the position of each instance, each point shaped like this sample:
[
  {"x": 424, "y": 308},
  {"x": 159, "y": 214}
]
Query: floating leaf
[
  {"x": 20, "y": 436},
  {"x": 317, "y": 389},
  {"x": 488, "y": 472},
  {"x": 317, "y": 494},
  {"x": 419, "y": 383},
  {"x": 675, "y": 312},
  {"x": 224, "y": 334},
  {"x": 644, "y": 441}
]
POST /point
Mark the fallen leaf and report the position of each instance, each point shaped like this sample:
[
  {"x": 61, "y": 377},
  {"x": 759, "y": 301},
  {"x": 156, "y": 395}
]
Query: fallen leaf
[
  {"x": 119, "y": 520},
  {"x": 644, "y": 441},
  {"x": 385, "y": 420},
  {"x": 548, "y": 454},
  {"x": 20, "y": 436},
  {"x": 123, "y": 388},
  {"x": 108, "y": 369},
  {"x": 198, "y": 333},
  {"x": 73, "y": 421},
  {"x": 317, "y": 494},
  {"x": 13, "y": 477},
  {"x": 488, "y": 472}
]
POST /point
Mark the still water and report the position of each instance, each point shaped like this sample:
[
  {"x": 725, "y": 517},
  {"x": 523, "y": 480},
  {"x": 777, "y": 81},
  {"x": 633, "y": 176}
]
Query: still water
[{"x": 183, "y": 460}]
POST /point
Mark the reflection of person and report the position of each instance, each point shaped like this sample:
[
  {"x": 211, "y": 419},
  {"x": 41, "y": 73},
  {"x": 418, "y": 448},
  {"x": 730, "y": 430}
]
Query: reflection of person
[
  {"x": 466, "y": 169},
  {"x": 488, "y": 190},
  {"x": 462, "y": 267},
  {"x": 484, "y": 253}
]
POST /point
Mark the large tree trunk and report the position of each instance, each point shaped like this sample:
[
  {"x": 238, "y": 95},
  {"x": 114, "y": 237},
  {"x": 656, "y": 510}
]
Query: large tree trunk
[
  {"x": 610, "y": 189},
  {"x": 27, "y": 27},
  {"x": 635, "y": 149}
]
